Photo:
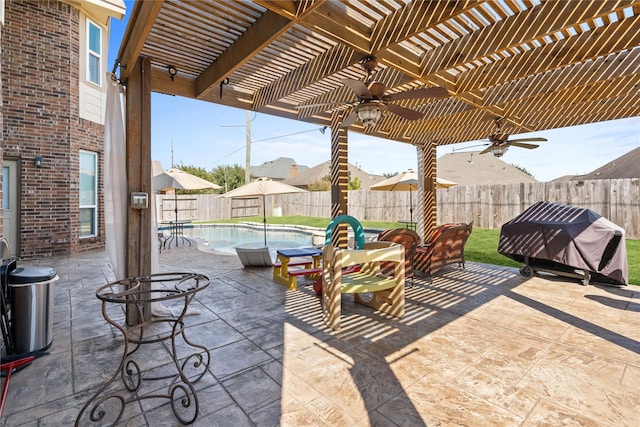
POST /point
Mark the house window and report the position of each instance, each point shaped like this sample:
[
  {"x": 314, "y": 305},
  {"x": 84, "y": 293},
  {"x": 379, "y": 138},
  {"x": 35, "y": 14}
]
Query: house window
[
  {"x": 88, "y": 194},
  {"x": 94, "y": 36}
]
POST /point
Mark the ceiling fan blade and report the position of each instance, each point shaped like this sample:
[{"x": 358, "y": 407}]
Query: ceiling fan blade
[
  {"x": 359, "y": 88},
  {"x": 534, "y": 139},
  {"x": 429, "y": 92},
  {"x": 523, "y": 144},
  {"x": 349, "y": 120},
  {"x": 323, "y": 104},
  {"x": 487, "y": 150},
  {"x": 403, "y": 112}
]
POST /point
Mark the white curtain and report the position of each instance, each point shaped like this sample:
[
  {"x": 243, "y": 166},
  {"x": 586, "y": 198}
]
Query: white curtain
[
  {"x": 115, "y": 178},
  {"x": 115, "y": 194}
]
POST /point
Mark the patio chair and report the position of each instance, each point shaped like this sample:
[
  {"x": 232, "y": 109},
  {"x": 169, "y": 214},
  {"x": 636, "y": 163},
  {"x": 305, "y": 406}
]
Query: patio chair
[
  {"x": 444, "y": 247},
  {"x": 407, "y": 238},
  {"x": 388, "y": 292}
]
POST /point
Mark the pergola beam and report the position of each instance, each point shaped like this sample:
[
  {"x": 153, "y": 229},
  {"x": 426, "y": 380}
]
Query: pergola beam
[
  {"x": 266, "y": 29},
  {"x": 143, "y": 16}
]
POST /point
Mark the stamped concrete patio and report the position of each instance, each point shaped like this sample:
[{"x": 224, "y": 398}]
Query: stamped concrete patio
[{"x": 483, "y": 346}]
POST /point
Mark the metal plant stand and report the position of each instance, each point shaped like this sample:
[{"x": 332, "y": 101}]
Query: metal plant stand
[{"x": 110, "y": 402}]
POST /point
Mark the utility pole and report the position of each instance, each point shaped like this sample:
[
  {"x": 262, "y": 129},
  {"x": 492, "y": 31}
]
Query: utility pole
[
  {"x": 247, "y": 172},
  {"x": 172, "y": 165}
]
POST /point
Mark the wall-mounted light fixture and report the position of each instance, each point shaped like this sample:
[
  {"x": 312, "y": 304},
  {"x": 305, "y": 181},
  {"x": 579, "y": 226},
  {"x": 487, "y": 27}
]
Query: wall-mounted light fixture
[
  {"x": 172, "y": 71},
  {"x": 37, "y": 161},
  {"x": 224, "y": 82}
]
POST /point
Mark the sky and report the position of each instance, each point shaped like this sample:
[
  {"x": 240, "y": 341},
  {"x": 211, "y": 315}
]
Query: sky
[{"x": 201, "y": 134}]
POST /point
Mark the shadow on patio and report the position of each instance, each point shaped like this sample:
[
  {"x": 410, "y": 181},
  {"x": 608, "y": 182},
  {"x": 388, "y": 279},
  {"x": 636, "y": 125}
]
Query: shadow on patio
[{"x": 476, "y": 347}]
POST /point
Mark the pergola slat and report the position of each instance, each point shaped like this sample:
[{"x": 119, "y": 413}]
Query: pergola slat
[{"x": 537, "y": 64}]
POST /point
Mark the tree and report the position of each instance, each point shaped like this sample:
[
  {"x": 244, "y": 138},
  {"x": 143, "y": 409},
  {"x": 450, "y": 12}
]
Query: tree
[
  {"x": 324, "y": 184},
  {"x": 522, "y": 169},
  {"x": 200, "y": 172},
  {"x": 319, "y": 185},
  {"x": 228, "y": 177},
  {"x": 354, "y": 184},
  {"x": 389, "y": 175}
]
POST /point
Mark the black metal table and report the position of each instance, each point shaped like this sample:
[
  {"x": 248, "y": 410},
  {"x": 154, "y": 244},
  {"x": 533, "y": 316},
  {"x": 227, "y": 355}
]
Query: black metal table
[
  {"x": 176, "y": 229},
  {"x": 411, "y": 225},
  {"x": 187, "y": 368}
]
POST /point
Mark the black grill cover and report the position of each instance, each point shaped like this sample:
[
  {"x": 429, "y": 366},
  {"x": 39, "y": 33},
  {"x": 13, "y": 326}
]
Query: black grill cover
[{"x": 570, "y": 236}]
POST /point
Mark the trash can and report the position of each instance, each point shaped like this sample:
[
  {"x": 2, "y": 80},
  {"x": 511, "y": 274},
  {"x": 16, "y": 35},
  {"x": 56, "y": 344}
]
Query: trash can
[{"x": 31, "y": 291}]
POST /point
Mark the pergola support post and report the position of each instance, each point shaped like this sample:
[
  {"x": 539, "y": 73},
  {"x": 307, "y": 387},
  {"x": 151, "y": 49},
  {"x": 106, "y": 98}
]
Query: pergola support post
[
  {"x": 138, "y": 130},
  {"x": 427, "y": 210},
  {"x": 339, "y": 178}
]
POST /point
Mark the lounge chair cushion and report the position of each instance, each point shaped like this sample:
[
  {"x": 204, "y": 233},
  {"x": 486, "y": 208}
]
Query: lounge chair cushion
[
  {"x": 254, "y": 257},
  {"x": 446, "y": 246}
]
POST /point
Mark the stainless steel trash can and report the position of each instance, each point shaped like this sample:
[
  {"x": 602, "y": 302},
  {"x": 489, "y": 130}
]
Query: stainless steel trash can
[{"x": 31, "y": 290}]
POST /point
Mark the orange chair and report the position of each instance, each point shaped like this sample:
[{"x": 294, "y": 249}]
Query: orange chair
[
  {"x": 445, "y": 246},
  {"x": 407, "y": 238}
]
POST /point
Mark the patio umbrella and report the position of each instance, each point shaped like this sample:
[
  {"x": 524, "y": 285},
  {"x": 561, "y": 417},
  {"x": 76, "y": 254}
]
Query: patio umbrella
[
  {"x": 444, "y": 183},
  {"x": 262, "y": 187},
  {"x": 407, "y": 181},
  {"x": 176, "y": 179}
]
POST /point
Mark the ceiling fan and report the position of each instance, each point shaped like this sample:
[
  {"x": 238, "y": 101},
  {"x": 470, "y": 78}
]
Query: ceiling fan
[
  {"x": 373, "y": 101},
  {"x": 500, "y": 142}
]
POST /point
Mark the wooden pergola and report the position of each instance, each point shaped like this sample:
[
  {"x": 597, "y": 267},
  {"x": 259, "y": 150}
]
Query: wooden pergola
[{"x": 536, "y": 64}]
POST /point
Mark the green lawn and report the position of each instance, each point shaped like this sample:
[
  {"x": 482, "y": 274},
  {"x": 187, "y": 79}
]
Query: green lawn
[{"x": 481, "y": 247}]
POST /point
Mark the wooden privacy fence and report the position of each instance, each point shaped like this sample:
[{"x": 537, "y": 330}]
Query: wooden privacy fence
[{"x": 489, "y": 206}]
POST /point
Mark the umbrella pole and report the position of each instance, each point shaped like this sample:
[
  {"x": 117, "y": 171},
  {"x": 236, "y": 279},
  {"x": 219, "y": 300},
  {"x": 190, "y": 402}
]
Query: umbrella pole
[
  {"x": 175, "y": 226},
  {"x": 264, "y": 219},
  {"x": 175, "y": 203},
  {"x": 410, "y": 206}
]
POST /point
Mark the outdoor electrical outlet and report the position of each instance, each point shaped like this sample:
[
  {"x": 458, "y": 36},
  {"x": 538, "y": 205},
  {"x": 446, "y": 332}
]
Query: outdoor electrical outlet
[{"x": 139, "y": 200}]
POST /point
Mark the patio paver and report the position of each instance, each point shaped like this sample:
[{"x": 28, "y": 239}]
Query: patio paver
[{"x": 483, "y": 346}]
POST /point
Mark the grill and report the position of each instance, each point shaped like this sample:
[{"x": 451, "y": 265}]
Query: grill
[{"x": 567, "y": 241}]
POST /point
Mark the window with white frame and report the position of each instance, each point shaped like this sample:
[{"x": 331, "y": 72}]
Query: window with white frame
[
  {"x": 88, "y": 193},
  {"x": 94, "y": 50}
]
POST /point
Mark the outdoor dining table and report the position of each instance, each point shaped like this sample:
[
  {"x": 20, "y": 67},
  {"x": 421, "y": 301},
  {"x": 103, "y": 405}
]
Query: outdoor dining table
[
  {"x": 176, "y": 229},
  {"x": 411, "y": 225},
  {"x": 311, "y": 263}
]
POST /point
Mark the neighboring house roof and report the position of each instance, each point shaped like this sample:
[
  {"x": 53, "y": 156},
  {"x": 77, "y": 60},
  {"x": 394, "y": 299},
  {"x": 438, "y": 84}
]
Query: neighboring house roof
[
  {"x": 278, "y": 169},
  {"x": 318, "y": 172},
  {"x": 625, "y": 166},
  {"x": 471, "y": 167}
]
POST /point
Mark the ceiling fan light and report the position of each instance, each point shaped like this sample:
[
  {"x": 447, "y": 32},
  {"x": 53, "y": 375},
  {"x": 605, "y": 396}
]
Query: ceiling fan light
[
  {"x": 369, "y": 114},
  {"x": 498, "y": 151}
]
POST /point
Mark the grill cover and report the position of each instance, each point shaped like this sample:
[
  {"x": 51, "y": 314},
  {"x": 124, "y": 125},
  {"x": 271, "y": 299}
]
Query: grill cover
[{"x": 570, "y": 236}]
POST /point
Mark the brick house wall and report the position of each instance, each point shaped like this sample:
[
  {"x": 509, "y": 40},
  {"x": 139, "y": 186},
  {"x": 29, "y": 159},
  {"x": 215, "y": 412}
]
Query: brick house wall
[{"x": 40, "y": 93}]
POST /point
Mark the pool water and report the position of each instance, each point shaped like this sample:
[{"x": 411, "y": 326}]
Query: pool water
[{"x": 226, "y": 238}]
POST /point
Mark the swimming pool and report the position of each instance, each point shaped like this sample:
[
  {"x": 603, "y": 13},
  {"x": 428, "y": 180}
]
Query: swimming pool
[{"x": 227, "y": 237}]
